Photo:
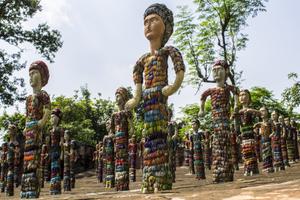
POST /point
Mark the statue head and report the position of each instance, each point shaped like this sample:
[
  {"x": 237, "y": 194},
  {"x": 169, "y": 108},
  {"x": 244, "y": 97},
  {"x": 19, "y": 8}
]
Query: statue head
[
  {"x": 264, "y": 112},
  {"x": 158, "y": 23},
  {"x": 287, "y": 121},
  {"x": 73, "y": 144},
  {"x": 122, "y": 96},
  {"x": 293, "y": 123},
  {"x": 12, "y": 130},
  {"x": 97, "y": 147},
  {"x": 4, "y": 146},
  {"x": 245, "y": 97},
  {"x": 39, "y": 74},
  {"x": 195, "y": 125},
  {"x": 67, "y": 135},
  {"x": 56, "y": 116},
  {"x": 281, "y": 119},
  {"x": 47, "y": 140},
  {"x": 274, "y": 116},
  {"x": 220, "y": 71}
]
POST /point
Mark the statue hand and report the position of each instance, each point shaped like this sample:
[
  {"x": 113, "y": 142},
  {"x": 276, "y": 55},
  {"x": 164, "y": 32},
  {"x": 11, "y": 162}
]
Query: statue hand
[{"x": 167, "y": 90}]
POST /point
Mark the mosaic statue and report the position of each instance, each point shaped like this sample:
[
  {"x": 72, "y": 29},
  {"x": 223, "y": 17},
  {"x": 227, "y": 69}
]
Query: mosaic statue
[
  {"x": 3, "y": 167},
  {"x": 96, "y": 159},
  {"x": 100, "y": 162},
  {"x": 220, "y": 100},
  {"x": 276, "y": 142},
  {"x": 57, "y": 138},
  {"x": 171, "y": 144},
  {"x": 37, "y": 114},
  {"x": 17, "y": 166},
  {"x": 284, "y": 150},
  {"x": 66, "y": 155},
  {"x": 265, "y": 129},
  {"x": 12, "y": 132},
  {"x": 247, "y": 116},
  {"x": 132, "y": 149},
  {"x": 109, "y": 157},
  {"x": 152, "y": 70},
  {"x": 198, "y": 153},
  {"x": 73, "y": 159},
  {"x": 234, "y": 146},
  {"x": 290, "y": 144},
  {"x": 295, "y": 133},
  {"x": 207, "y": 150},
  {"x": 44, "y": 162},
  {"x": 121, "y": 123}
]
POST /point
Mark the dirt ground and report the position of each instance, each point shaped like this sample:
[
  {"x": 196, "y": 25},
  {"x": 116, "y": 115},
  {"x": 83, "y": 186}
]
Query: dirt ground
[{"x": 284, "y": 185}]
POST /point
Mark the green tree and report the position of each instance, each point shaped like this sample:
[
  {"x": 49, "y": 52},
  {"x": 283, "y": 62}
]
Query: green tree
[
  {"x": 291, "y": 95},
  {"x": 214, "y": 30},
  {"x": 84, "y": 116},
  {"x": 261, "y": 96},
  {"x": 17, "y": 118},
  {"x": 13, "y": 13}
]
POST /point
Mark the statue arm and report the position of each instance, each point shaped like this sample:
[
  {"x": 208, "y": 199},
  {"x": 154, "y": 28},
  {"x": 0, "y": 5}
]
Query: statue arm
[{"x": 179, "y": 68}]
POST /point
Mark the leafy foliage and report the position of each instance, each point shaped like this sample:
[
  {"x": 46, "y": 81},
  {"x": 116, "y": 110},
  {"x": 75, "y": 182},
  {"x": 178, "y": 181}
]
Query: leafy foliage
[
  {"x": 46, "y": 41},
  {"x": 83, "y": 116},
  {"x": 214, "y": 30},
  {"x": 291, "y": 95}
]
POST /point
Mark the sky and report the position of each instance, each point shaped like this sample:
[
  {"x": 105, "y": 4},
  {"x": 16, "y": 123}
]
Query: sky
[{"x": 103, "y": 40}]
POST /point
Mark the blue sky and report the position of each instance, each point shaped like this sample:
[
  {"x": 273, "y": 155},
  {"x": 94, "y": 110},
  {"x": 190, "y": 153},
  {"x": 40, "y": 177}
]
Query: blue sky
[{"x": 103, "y": 40}]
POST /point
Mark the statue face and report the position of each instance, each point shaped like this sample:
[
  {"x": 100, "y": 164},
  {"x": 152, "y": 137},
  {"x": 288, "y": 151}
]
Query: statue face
[
  {"x": 66, "y": 136},
  {"x": 195, "y": 126},
  {"x": 54, "y": 120},
  {"x": 219, "y": 74},
  {"x": 120, "y": 101},
  {"x": 154, "y": 27},
  {"x": 274, "y": 116},
  {"x": 280, "y": 119},
  {"x": 12, "y": 131},
  {"x": 264, "y": 112},
  {"x": 47, "y": 139},
  {"x": 244, "y": 98},
  {"x": 35, "y": 78},
  {"x": 287, "y": 121}
]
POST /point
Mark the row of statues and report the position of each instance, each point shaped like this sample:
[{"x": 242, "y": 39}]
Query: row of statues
[{"x": 116, "y": 154}]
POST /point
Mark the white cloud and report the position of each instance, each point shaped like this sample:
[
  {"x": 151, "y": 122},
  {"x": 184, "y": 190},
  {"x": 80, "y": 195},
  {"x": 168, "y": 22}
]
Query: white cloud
[{"x": 55, "y": 13}]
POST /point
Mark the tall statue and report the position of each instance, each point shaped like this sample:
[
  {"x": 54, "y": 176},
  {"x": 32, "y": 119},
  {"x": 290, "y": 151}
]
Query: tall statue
[
  {"x": 37, "y": 114},
  {"x": 57, "y": 138},
  {"x": 207, "y": 149},
  {"x": 100, "y": 162},
  {"x": 17, "y": 166},
  {"x": 198, "y": 152},
  {"x": 121, "y": 124},
  {"x": 132, "y": 149},
  {"x": 96, "y": 160},
  {"x": 12, "y": 133},
  {"x": 3, "y": 166},
  {"x": 295, "y": 133},
  {"x": 265, "y": 131},
  {"x": 171, "y": 145},
  {"x": 276, "y": 142},
  {"x": 289, "y": 140},
  {"x": 284, "y": 150},
  {"x": 246, "y": 117},
  {"x": 152, "y": 70},
  {"x": 44, "y": 161},
  {"x": 109, "y": 157},
  {"x": 220, "y": 100},
  {"x": 73, "y": 159},
  {"x": 66, "y": 155}
]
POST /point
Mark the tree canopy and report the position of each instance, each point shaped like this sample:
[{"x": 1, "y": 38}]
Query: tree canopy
[
  {"x": 47, "y": 42},
  {"x": 214, "y": 31}
]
